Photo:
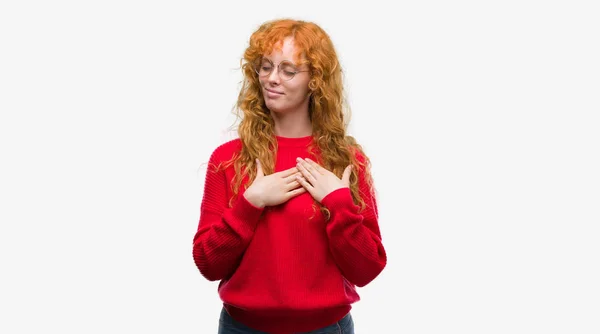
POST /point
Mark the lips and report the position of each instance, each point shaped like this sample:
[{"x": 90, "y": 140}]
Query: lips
[{"x": 273, "y": 91}]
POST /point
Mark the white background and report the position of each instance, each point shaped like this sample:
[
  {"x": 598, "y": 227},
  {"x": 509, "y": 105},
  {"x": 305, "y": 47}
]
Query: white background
[{"x": 480, "y": 117}]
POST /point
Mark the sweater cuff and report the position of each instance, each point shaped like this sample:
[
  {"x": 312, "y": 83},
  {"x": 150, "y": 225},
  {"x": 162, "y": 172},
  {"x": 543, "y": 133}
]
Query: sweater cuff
[
  {"x": 339, "y": 199},
  {"x": 244, "y": 211}
]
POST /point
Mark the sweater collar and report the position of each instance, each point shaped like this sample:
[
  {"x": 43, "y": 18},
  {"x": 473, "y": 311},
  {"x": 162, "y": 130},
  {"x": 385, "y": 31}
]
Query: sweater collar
[{"x": 293, "y": 142}]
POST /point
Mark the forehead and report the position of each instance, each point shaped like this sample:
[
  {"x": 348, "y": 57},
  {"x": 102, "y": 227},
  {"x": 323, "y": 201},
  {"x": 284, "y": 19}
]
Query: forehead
[{"x": 285, "y": 49}]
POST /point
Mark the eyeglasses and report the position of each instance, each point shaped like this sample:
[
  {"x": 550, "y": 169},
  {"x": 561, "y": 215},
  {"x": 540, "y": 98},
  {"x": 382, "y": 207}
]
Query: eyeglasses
[{"x": 286, "y": 69}]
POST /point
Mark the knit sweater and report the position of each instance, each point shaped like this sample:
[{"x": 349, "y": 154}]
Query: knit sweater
[{"x": 285, "y": 268}]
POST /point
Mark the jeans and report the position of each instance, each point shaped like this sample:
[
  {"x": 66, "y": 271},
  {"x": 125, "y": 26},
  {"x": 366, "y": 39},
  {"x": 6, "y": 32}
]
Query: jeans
[{"x": 227, "y": 325}]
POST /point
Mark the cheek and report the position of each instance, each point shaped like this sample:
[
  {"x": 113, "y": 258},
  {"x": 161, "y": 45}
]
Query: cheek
[
  {"x": 261, "y": 83},
  {"x": 304, "y": 88},
  {"x": 300, "y": 90}
]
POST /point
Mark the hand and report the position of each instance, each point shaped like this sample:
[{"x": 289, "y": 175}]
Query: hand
[
  {"x": 318, "y": 181},
  {"x": 273, "y": 189}
]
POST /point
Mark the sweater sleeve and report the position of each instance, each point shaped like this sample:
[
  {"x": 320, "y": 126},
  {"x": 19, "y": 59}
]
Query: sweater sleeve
[
  {"x": 354, "y": 237},
  {"x": 223, "y": 233}
]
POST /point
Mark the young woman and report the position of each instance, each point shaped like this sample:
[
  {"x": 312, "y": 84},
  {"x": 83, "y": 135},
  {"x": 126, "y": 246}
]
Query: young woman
[{"x": 288, "y": 219}]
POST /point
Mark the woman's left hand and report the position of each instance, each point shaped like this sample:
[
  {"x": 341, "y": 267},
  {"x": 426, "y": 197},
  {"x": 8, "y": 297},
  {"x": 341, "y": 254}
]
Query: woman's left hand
[{"x": 318, "y": 181}]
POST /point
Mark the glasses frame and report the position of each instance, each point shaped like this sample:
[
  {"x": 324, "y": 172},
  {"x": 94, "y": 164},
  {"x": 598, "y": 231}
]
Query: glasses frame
[{"x": 259, "y": 61}]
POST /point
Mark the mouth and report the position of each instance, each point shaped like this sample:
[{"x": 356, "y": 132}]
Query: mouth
[{"x": 273, "y": 91}]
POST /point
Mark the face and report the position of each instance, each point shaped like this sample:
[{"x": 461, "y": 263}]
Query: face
[{"x": 285, "y": 95}]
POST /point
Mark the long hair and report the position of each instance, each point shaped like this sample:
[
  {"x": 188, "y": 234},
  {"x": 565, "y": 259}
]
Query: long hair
[{"x": 328, "y": 109}]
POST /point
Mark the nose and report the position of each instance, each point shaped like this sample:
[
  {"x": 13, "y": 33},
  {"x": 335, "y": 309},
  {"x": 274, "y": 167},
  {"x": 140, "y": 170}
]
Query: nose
[{"x": 274, "y": 76}]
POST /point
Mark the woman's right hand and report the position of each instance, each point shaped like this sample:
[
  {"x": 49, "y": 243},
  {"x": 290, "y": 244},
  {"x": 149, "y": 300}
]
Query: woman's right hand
[{"x": 273, "y": 189}]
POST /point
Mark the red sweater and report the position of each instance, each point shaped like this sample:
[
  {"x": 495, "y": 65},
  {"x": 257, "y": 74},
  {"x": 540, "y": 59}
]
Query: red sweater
[{"x": 282, "y": 271}]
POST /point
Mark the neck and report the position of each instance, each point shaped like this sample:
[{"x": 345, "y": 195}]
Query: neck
[{"x": 292, "y": 124}]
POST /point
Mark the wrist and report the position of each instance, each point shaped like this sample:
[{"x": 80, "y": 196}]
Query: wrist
[{"x": 254, "y": 199}]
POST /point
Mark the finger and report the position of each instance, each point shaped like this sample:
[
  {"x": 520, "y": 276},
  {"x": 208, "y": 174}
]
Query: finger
[
  {"x": 295, "y": 192},
  {"x": 316, "y": 166},
  {"x": 311, "y": 169},
  {"x": 288, "y": 172},
  {"x": 306, "y": 174},
  {"x": 308, "y": 167},
  {"x": 304, "y": 183},
  {"x": 259, "y": 170},
  {"x": 291, "y": 178},
  {"x": 346, "y": 176},
  {"x": 292, "y": 185}
]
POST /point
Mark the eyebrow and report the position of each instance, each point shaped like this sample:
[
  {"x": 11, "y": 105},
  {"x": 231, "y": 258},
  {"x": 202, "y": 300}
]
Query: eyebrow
[{"x": 290, "y": 61}]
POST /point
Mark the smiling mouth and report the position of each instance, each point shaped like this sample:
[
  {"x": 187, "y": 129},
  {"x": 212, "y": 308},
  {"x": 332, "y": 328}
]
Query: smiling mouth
[{"x": 272, "y": 91}]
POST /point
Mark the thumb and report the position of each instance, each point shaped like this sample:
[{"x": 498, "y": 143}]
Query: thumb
[
  {"x": 346, "y": 176},
  {"x": 259, "y": 170}
]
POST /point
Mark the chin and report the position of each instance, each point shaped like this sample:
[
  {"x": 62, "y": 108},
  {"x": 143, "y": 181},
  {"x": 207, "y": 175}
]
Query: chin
[{"x": 274, "y": 108}]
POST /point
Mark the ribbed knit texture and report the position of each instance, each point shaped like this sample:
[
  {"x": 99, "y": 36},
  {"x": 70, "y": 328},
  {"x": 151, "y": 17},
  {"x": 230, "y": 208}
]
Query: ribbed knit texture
[{"x": 284, "y": 269}]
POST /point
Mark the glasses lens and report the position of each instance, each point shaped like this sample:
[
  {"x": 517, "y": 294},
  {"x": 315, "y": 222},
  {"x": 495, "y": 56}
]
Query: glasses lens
[
  {"x": 263, "y": 67},
  {"x": 287, "y": 70}
]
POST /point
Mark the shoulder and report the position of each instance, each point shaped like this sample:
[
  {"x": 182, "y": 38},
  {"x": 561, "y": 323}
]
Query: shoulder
[
  {"x": 362, "y": 162},
  {"x": 226, "y": 151},
  {"x": 357, "y": 151},
  {"x": 361, "y": 156}
]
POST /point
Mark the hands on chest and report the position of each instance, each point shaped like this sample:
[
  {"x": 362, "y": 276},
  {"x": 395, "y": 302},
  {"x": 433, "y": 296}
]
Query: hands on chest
[
  {"x": 307, "y": 175},
  {"x": 318, "y": 181}
]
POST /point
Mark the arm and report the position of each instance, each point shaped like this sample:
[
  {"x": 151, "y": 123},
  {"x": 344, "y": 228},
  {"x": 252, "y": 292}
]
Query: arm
[
  {"x": 223, "y": 233},
  {"x": 354, "y": 238}
]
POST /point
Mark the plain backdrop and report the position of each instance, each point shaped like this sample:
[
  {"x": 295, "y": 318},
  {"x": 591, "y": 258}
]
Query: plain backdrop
[{"x": 480, "y": 118}]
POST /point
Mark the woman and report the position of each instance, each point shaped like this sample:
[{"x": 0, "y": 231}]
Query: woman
[{"x": 288, "y": 219}]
